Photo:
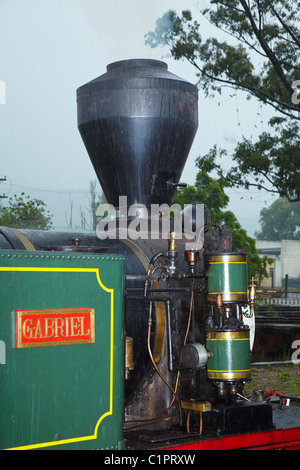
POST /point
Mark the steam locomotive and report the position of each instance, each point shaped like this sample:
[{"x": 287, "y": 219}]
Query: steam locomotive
[{"x": 121, "y": 339}]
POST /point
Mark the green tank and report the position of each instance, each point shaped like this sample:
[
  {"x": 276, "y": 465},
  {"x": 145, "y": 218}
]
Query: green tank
[
  {"x": 61, "y": 331},
  {"x": 229, "y": 355},
  {"x": 227, "y": 276}
]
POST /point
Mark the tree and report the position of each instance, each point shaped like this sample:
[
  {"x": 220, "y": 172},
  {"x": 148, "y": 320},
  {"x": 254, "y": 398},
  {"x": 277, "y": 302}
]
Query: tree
[
  {"x": 95, "y": 198},
  {"x": 280, "y": 221},
  {"x": 210, "y": 191},
  {"x": 262, "y": 58},
  {"x": 27, "y": 213},
  {"x": 272, "y": 163}
]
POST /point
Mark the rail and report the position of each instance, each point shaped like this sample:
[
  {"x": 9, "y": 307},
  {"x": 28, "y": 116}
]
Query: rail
[{"x": 277, "y": 314}]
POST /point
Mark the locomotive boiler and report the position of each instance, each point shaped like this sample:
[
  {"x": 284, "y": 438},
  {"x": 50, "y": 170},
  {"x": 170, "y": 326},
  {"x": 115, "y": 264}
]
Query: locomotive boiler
[{"x": 136, "y": 336}]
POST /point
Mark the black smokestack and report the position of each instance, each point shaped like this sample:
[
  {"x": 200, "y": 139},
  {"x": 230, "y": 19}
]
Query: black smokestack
[{"x": 138, "y": 122}]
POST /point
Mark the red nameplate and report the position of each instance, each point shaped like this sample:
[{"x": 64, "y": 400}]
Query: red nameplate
[{"x": 54, "y": 327}]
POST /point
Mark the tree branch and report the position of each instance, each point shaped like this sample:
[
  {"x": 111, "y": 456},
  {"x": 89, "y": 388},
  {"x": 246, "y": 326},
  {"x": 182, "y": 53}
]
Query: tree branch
[
  {"x": 255, "y": 91},
  {"x": 286, "y": 27},
  {"x": 232, "y": 7},
  {"x": 273, "y": 190},
  {"x": 242, "y": 39},
  {"x": 267, "y": 49}
]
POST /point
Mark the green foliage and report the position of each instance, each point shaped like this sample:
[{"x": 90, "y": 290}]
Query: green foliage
[
  {"x": 280, "y": 221},
  {"x": 261, "y": 58},
  {"x": 271, "y": 163},
  {"x": 268, "y": 30},
  {"x": 211, "y": 192},
  {"x": 27, "y": 213},
  {"x": 285, "y": 376}
]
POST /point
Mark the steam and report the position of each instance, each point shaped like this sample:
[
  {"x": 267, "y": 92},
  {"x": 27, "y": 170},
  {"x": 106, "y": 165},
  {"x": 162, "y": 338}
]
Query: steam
[{"x": 122, "y": 25}]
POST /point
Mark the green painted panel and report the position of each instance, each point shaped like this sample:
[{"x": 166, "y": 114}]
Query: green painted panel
[{"x": 69, "y": 395}]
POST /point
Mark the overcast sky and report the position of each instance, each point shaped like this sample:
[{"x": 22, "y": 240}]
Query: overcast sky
[{"x": 49, "y": 48}]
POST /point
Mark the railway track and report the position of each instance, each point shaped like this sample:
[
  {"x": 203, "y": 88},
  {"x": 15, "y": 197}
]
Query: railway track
[{"x": 277, "y": 314}]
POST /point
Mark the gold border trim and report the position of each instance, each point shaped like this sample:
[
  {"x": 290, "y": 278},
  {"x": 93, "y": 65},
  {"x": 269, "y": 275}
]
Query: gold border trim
[
  {"x": 229, "y": 262},
  {"x": 228, "y": 298},
  {"x": 110, "y": 411},
  {"x": 228, "y": 259},
  {"x": 230, "y": 374},
  {"x": 228, "y": 336}
]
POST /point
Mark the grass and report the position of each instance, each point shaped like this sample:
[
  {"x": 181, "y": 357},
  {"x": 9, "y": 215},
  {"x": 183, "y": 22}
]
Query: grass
[{"x": 283, "y": 378}]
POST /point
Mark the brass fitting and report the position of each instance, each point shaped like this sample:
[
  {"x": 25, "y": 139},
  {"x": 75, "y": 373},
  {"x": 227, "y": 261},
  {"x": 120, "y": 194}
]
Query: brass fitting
[
  {"x": 129, "y": 363},
  {"x": 173, "y": 241}
]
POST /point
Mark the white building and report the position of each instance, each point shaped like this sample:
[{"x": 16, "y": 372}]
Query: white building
[{"x": 286, "y": 262}]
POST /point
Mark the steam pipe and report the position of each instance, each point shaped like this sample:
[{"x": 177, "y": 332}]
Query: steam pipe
[{"x": 169, "y": 335}]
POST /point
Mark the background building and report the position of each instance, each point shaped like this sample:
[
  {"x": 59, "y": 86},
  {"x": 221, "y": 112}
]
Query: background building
[{"x": 285, "y": 267}]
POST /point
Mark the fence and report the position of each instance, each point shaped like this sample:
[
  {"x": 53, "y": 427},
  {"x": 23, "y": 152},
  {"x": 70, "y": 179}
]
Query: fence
[{"x": 284, "y": 301}]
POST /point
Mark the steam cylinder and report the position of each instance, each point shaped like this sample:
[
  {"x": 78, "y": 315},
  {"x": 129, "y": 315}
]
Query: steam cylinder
[
  {"x": 138, "y": 122},
  {"x": 227, "y": 276},
  {"x": 229, "y": 355}
]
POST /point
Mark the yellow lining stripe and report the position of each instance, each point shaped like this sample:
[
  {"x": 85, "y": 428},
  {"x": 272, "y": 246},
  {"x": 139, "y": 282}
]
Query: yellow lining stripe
[
  {"x": 110, "y": 411},
  {"x": 227, "y": 262},
  {"x": 227, "y": 339},
  {"x": 227, "y": 292},
  {"x": 233, "y": 371},
  {"x": 24, "y": 240}
]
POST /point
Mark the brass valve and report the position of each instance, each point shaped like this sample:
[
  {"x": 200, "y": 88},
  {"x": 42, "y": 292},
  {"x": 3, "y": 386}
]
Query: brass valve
[
  {"x": 252, "y": 295},
  {"x": 173, "y": 241},
  {"x": 252, "y": 292},
  {"x": 129, "y": 362}
]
